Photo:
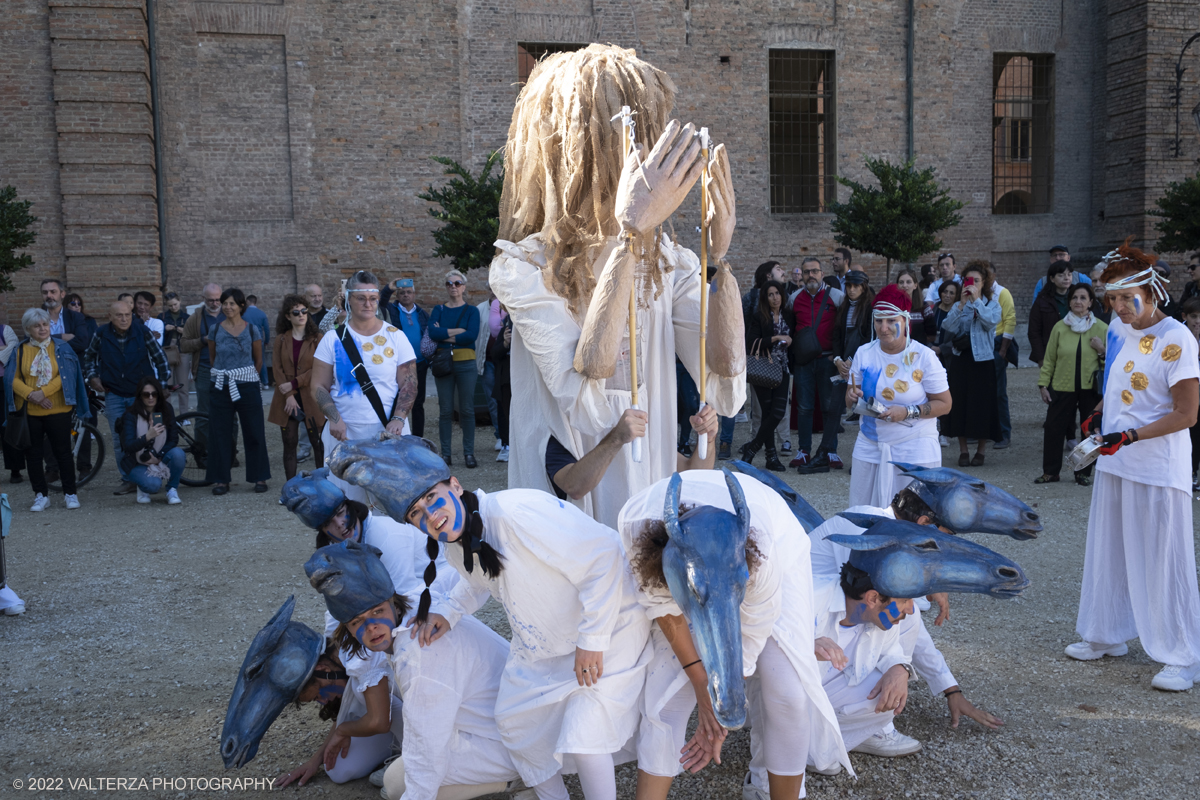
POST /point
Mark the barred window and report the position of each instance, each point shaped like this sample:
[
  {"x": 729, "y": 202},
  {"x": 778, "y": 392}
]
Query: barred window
[
  {"x": 803, "y": 130},
  {"x": 1022, "y": 133},
  {"x": 529, "y": 53}
]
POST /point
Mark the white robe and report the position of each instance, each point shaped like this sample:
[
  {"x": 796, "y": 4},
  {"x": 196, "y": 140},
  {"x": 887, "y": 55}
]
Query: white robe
[
  {"x": 577, "y": 411},
  {"x": 449, "y": 690},
  {"x": 562, "y": 588},
  {"x": 778, "y": 603}
]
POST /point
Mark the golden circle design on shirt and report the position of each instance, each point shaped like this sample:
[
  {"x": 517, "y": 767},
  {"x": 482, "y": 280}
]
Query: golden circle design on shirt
[
  {"x": 1146, "y": 345},
  {"x": 888, "y": 394},
  {"x": 1129, "y": 366},
  {"x": 1127, "y": 397},
  {"x": 367, "y": 347},
  {"x": 376, "y": 359},
  {"x": 380, "y": 339},
  {"x": 1172, "y": 352},
  {"x": 392, "y": 328},
  {"x": 901, "y": 386},
  {"x": 388, "y": 352},
  {"x": 891, "y": 370},
  {"x": 917, "y": 375},
  {"x": 1139, "y": 381}
]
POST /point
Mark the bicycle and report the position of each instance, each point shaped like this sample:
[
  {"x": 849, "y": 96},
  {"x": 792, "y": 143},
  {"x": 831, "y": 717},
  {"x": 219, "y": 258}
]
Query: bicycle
[{"x": 194, "y": 466}]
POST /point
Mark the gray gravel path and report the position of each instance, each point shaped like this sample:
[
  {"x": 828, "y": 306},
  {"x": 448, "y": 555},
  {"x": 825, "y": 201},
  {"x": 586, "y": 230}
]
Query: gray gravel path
[{"x": 139, "y": 617}]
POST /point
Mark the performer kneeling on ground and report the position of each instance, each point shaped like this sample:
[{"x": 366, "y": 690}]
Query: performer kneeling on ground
[
  {"x": 907, "y": 378},
  {"x": 1139, "y": 568},
  {"x": 763, "y": 592},
  {"x": 568, "y": 699}
]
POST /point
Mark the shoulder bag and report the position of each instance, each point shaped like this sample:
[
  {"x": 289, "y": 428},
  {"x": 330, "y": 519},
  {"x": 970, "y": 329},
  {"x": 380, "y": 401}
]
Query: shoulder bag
[
  {"x": 16, "y": 429},
  {"x": 763, "y": 371},
  {"x": 441, "y": 363},
  {"x": 806, "y": 348},
  {"x": 360, "y": 373}
]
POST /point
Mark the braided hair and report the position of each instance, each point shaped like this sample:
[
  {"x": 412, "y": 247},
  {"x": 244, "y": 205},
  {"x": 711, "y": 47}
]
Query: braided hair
[{"x": 472, "y": 543}]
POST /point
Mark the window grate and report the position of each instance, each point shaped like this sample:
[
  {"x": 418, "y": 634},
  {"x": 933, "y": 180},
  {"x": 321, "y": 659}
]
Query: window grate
[
  {"x": 529, "y": 53},
  {"x": 803, "y": 130},
  {"x": 1022, "y": 133}
]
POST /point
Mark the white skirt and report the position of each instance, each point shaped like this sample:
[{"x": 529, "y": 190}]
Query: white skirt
[{"x": 1139, "y": 570}]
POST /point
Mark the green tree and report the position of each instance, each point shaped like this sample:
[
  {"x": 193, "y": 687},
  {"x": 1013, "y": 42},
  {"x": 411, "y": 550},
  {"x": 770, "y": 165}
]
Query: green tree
[
  {"x": 470, "y": 207},
  {"x": 15, "y": 235},
  {"x": 900, "y": 220},
  {"x": 1178, "y": 211}
]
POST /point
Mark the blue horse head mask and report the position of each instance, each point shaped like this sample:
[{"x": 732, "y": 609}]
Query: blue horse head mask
[
  {"x": 280, "y": 660},
  {"x": 395, "y": 471},
  {"x": 704, "y": 563},
  {"x": 809, "y": 518},
  {"x": 312, "y": 497},
  {"x": 968, "y": 505},
  {"x": 905, "y": 560},
  {"x": 351, "y": 577}
]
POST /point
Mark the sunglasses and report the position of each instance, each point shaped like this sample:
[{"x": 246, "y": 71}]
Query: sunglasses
[
  {"x": 149, "y": 394},
  {"x": 303, "y": 312},
  {"x": 454, "y": 283},
  {"x": 945, "y": 255},
  {"x": 77, "y": 303}
]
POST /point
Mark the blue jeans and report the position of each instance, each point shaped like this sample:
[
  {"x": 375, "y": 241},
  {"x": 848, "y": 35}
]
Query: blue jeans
[
  {"x": 726, "y": 430},
  {"x": 812, "y": 382},
  {"x": 461, "y": 382},
  {"x": 174, "y": 459},
  {"x": 489, "y": 381},
  {"x": 1002, "y": 390},
  {"x": 115, "y": 407}
]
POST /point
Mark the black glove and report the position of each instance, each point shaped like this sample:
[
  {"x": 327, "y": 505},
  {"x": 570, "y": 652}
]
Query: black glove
[
  {"x": 1091, "y": 425},
  {"x": 1115, "y": 441}
]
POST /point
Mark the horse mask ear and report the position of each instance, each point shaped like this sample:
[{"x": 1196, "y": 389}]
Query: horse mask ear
[
  {"x": 863, "y": 543},
  {"x": 266, "y": 639},
  {"x": 739, "y": 503},
  {"x": 864, "y": 521},
  {"x": 671, "y": 507},
  {"x": 931, "y": 476}
]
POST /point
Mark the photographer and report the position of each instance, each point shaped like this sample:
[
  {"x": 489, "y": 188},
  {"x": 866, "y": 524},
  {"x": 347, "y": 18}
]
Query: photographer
[{"x": 149, "y": 439}]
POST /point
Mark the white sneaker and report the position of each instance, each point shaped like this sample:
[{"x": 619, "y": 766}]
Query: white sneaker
[
  {"x": 376, "y": 777},
  {"x": 40, "y": 502},
  {"x": 787, "y": 447},
  {"x": 752, "y": 792},
  {"x": 72, "y": 501},
  {"x": 13, "y": 611},
  {"x": 173, "y": 497},
  {"x": 142, "y": 497},
  {"x": 1176, "y": 679},
  {"x": 889, "y": 744},
  {"x": 499, "y": 445},
  {"x": 834, "y": 770},
  {"x": 502, "y": 455},
  {"x": 1089, "y": 651}
]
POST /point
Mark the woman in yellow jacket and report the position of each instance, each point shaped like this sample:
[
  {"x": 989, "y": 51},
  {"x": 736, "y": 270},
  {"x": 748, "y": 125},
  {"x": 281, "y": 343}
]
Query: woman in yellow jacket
[{"x": 1068, "y": 381}]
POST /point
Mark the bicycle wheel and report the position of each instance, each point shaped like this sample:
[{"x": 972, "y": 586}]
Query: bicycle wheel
[
  {"x": 195, "y": 466},
  {"x": 85, "y": 433}
]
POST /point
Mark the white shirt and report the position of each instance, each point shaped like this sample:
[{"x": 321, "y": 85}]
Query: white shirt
[
  {"x": 56, "y": 325},
  {"x": 449, "y": 688},
  {"x": 154, "y": 325},
  {"x": 1140, "y": 369},
  {"x": 931, "y": 294},
  {"x": 362, "y": 672},
  {"x": 873, "y": 648},
  {"x": 382, "y": 352},
  {"x": 903, "y": 379}
]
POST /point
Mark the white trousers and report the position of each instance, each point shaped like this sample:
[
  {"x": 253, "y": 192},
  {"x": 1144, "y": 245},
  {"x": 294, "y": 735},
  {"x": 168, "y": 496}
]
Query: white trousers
[
  {"x": 1139, "y": 570},
  {"x": 8, "y": 598},
  {"x": 863, "y": 477},
  {"x": 480, "y": 766},
  {"x": 856, "y": 714},
  {"x": 780, "y": 718},
  {"x": 368, "y": 752}
]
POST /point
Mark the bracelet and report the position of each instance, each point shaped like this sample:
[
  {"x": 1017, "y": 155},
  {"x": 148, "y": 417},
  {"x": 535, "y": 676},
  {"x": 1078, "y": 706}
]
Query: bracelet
[
  {"x": 952, "y": 691},
  {"x": 1133, "y": 435},
  {"x": 395, "y": 417},
  {"x": 914, "y": 412},
  {"x": 694, "y": 663}
]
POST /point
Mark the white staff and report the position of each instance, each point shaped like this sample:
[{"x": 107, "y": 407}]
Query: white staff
[
  {"x": 626, "y": 117},
  {"x": 702, "y": 441}
]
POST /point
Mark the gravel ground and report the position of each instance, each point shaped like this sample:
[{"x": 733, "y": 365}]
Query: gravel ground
[{"x": 139, "y": 617}]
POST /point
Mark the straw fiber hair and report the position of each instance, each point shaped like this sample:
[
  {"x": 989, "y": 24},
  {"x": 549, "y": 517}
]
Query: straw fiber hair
[{"x": 564, "y": 158}]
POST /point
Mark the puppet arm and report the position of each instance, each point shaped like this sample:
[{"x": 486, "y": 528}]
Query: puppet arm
[
  {"x": 726, "y": 329},
  {"x": 607, "y": 316}
]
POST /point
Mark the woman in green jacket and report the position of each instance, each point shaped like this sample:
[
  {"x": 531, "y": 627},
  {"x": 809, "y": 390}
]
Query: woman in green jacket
[{"x": 1068, "y": 381}]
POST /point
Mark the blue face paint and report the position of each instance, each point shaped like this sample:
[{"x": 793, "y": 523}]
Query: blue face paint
[
  {"x": 362, "y": 629},
  {"x": 858, "y": 615},
  {"x": 888, "y": 615},
  {"x": 326, "y": 694},
  {"x": 1138, "y": 305}
]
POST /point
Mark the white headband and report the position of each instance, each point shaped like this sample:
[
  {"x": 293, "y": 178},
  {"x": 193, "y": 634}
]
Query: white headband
[
  {"x": 1148, "y": 276},
  {"x": 886, "y": 310}
]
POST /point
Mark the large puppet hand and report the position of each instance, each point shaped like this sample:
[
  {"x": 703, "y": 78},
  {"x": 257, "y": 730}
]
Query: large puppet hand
[
  {"x": 722, "y": 206},
  {"x": 647, "y": 195}
]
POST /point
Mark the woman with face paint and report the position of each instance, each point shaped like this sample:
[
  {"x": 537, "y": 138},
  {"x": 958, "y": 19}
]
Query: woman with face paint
[
  {"x": 568, "y": 699},
  {"x": 908, "y": 380},
  {"x": 972, "y": 374},
  {"x": 1139, "y": 568}
]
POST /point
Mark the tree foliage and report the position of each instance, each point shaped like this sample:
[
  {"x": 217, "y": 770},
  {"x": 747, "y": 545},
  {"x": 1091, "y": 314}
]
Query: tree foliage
[
  {"x": 470, "y": 207},
  {"x": 15, "y": 221},
  {"x": 900, "y": 220},
  {"x": 1178, "y": 211}
]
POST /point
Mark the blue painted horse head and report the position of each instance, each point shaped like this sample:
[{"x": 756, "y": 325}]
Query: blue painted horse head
[
  {"x": 704, "y": 563},
  {"x": 968, "y": 505},
  {"x": 280, "y": 660},
  {"x": 906, "y": 560},
  {"x": 810, "y": 519},
  {"x": 395, "y": 471}
]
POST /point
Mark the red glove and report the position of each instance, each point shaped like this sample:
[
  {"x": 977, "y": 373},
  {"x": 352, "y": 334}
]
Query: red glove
[
  {"x": 1115, "y": 441},
  {"x": 1091, "y": 425}
]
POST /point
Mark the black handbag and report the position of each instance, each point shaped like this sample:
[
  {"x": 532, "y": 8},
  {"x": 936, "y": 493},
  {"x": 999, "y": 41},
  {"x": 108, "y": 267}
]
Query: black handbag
[
  {"x": 763, "y": 371},
  {"x": 805, "y": 346},
  {"x": 442, "y": 362},
  {"x": 16, "y": 428}
]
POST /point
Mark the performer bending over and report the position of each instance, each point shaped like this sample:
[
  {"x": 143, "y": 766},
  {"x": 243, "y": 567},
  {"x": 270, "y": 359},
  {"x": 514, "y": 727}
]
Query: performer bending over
[
  {"x": 1139, "y": 568},
  {"x": 792, "y": 719},
  {"x": 579, "y": 231},
  {"x": 907, "y": 378},
  {"x": 568, "y": 699}
]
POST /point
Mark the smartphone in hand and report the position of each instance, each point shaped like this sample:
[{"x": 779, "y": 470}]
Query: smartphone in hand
[{"x": 156, "y": 418}]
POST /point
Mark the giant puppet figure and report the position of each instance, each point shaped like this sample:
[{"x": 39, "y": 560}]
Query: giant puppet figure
[{"x": 580, "y": 231}]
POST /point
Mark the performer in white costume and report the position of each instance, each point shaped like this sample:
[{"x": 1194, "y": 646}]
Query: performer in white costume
[
  {"x": 792, "y": 719},
  {"x": 579, "y": 231},
  {"x": 907, "y": 378},
  {"x": 568, "y": 699},
  {"x": 1139, "y": 569}
]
